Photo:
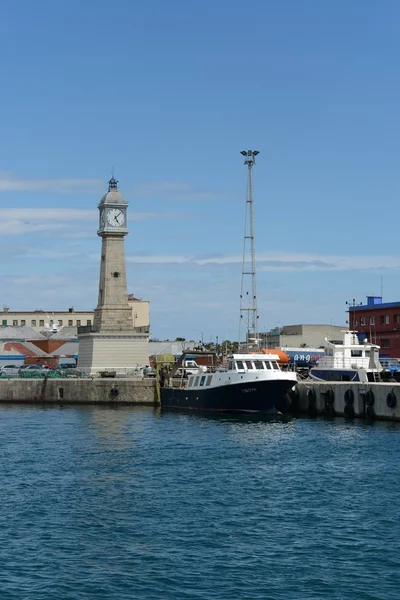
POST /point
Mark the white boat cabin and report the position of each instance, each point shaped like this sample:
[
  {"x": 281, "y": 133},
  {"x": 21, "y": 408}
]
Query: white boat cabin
[
  {"x": 244, "y": 363},
  {"x": 351, "y": 354},
  {"x": 241, "y": 367}
]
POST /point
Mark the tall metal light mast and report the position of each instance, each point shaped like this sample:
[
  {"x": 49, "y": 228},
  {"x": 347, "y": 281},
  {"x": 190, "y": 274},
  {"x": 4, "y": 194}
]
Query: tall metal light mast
[{"x": 248, "y": 324}]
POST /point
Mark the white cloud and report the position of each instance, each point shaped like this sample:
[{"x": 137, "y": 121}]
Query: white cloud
[
  {"x": 47, "y": 214},
  {"x": 42, "y": 280},
  {"x": 20, "y": 227},
  {"x": 15, "y": 221},
  {"x": 9, "y": 183},
  {"x": 159, "y": 259},
  {"x": 279, "y": 261}
]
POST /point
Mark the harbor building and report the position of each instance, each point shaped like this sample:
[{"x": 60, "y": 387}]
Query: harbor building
[
  {"x": 297, "y": 336},
  {"x": 111, "y": 342},
  {"x": 379, "y": 322},
  {"x": 55, "y": 320},
  {"x": 24, "y": 345}
]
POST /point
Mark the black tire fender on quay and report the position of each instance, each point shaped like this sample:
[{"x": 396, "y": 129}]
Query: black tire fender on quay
[
  {"x": 294, "y": 397},
  {"x": 369, "y": 398},
  {"x": 349, "y": 411},
  {"x": 330, "y": 397},
  {"x": 349, "y": 397},
  {"x": 329, "y": 409},
  {"x": 114, "y": 392},
  {"x": 370, "y": 413},
  {"x": 391, "y": 400},
  {"x": 312, "y": 400}
]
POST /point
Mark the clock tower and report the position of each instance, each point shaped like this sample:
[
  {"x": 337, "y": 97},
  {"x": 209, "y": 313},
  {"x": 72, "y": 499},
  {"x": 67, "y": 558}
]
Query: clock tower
[{"x": 112, "y": 343}]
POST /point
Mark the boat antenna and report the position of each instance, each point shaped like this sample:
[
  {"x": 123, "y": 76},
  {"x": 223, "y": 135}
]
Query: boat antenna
[
  {"x": 248, "y": 296},
  {"x": 352, "y": 321}
]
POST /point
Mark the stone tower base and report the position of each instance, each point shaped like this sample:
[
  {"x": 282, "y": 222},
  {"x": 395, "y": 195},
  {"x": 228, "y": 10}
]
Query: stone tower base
[{"x": 120, "y": 352}]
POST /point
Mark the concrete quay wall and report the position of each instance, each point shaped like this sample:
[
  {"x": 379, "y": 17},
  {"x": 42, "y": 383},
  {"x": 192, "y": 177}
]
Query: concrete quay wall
[
  {"x": 79, "y": 391},
  {"x": 380, "y": 401}
]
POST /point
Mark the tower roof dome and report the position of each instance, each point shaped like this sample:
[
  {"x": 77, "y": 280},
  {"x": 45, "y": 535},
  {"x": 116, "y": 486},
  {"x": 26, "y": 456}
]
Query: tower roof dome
[{"x": 113, "y": 196}]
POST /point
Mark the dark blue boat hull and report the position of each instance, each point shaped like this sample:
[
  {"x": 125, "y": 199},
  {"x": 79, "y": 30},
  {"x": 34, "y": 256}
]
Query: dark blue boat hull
[{"x": 258, "y": 396}]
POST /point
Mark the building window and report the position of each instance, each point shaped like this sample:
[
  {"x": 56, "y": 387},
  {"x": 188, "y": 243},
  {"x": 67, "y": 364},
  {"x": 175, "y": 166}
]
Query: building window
[
  {"x": 70, "y": 323},
  {"x": 60, "y": 322},
  {"x": 78, "y": 322},
  {"x": 33, "y": 323},
  {"x": 41, "y": 323},
  {"x": 355, "y": 323},
  {"x": 23, "y": 322},
  {"x": 384, "y": 319},
  {"x": 372, "y": 320},
  {"x": 88, "y": 322},
  {"x": 363, "y": 321},
  {"x": 385, "y": 343},
  {"x": 397, "y": 318},
  {"x": 15, "y": 323},
  {"x": 4, "y": 323}
]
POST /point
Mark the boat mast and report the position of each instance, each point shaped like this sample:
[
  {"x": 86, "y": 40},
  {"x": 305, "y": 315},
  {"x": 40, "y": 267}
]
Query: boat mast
[{"x": 248, "y": 296}]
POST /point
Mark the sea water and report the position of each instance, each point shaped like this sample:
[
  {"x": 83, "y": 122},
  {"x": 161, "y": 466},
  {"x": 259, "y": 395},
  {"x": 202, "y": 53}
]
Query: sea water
[{"x": 131, "y": 503}]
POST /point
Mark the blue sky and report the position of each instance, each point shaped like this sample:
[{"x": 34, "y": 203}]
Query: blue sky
[{"x": 168, "y": 93}]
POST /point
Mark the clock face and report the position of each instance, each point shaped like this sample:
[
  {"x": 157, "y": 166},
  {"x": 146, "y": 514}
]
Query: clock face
[{"x": 115, "y": 217}]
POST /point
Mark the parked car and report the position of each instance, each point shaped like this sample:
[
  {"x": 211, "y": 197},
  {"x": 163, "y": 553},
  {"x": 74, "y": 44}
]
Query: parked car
[
  {"x": 64, "y": 366},
  {"x": 26, "y": 368},
  {"x": 9, "y": 370}
]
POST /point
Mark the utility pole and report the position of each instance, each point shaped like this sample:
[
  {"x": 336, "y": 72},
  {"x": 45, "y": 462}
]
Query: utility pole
[{"x": 248, "y": 322}]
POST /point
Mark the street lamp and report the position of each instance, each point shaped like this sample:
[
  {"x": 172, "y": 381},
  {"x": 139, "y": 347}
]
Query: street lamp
[{"x": 250, "y": 156}]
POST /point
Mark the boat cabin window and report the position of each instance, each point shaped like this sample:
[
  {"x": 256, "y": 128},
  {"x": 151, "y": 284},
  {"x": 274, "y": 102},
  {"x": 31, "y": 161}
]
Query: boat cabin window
[
  {"x": 239, "y": 365},
  {"x": 268, "y": 364},
  {"x": 249, "y": 365},
  {"x": 231, "y": 365},
  {"x": 356, "y": 353},
  {"x": 196, "y": 381},
  {"x": 275, "y": 366},
  {"x": 259, "y": 365},
  {"x": 202, "y": 380},
  {"x": 209, "y": 378},
  {"x": 190, "y": 382}
]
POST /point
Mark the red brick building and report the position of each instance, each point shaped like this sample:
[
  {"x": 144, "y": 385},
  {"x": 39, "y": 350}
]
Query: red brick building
[{"x": 379, "y": 322}]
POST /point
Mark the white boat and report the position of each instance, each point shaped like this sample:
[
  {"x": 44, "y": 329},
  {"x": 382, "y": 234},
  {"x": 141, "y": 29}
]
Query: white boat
[
  {"x": 253, "y": 382},
  {"x": 350, "y": 360}
]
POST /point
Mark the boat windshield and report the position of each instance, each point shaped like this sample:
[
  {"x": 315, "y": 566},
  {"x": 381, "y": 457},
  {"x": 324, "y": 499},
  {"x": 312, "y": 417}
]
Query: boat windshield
[{"x": 258, "y": 365}]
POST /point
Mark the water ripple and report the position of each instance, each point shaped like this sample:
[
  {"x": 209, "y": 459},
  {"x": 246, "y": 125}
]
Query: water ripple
[{"x": 132, "y": 503}]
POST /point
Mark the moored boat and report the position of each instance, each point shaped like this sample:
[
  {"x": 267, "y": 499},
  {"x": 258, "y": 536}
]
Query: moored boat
[
  {"x": 253, "y": 382},
  {"x": 349, "y": 361}
]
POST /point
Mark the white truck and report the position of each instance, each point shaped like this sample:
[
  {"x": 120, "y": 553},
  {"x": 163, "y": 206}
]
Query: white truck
[{"x": 190, "y": 367}]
